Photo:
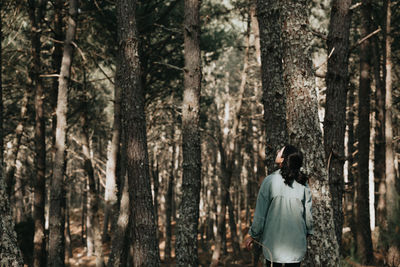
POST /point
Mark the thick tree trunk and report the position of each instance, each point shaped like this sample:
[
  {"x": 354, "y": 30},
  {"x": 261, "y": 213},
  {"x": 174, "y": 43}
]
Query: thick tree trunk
[
  {"x": 112, "y": 165},
  {"x": 337, "y": 80},
  {"x": 186, "y": 243},
  {"x": 364, "y": 242},
  {"x": 56, "y": 224},
  {"x": 285, "y": 36},
  {"x": 274, "y": 95},
  {"x": 36, "y": 14},
  {"x": 144, "y": 243},
  {"x": 10, "y": 254},
  {"x": 93, "y": 209}
]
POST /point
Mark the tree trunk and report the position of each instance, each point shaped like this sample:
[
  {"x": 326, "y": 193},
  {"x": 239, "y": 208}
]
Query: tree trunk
[
  {"x": 283, "y": 22},
  {"x": 36, "y": 14},
  {"x": 10, "y": 254},
  {"x": 364, "y": 242},
  {"x": 337, "y": 80},
  {"x": 392, "y": 194},
  {"x": 144, "y": 243},
  {"x": 93, "y": 210},
  {"x": 122, "y": 220},
  {"x": 56, "y": 226},
  {"x": 274, "y": 95},
  {"x": 112, "y": 164},
  {"x": 379, "y": 148},
  {"x": 186, "y": 242},
  {"x": 169, "y": 197}
]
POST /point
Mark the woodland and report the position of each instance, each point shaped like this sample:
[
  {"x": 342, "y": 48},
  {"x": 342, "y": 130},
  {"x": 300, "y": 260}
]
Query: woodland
[{"x": 138, "y": 132}]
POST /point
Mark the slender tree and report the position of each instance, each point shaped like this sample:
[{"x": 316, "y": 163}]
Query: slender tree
[
  {"x": 36, "y": 14},
  {"x": 143, "y": 240},
  {"x": 93, "y": 210},
  {"x": 337, "y": 80},
  {"x": 364, "y": 242},
  {"x": 292, "y": 39},
  {"x": 112, "y": 164},
  {"x": 186, "y": 244},
  {"x": 56, "y": 226}
]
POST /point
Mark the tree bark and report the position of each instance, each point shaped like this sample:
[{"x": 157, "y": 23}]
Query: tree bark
[
  {"x": 186, "y": 243},
  {"x": 144, "y": 243},
  {"x": 364, "y": 242},
  {"x": 284, "y": 34},
  {"x": 56, "y": 225},
  {"x": 337, "y": 80},
  {"x": 392, "y": 193},
  {"x": 36, "y": 14},
  {"x": 93, "y": 209},
  {"x": 274, "y": 95}
]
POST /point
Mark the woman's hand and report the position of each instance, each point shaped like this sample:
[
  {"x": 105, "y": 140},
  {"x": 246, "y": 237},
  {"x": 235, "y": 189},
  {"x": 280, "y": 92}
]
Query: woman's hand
[{"x": 249, "y": 242}]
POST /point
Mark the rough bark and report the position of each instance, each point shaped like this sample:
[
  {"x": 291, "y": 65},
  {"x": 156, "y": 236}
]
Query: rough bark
[
  {"x": 274, "y": 95},
  {"x": 56, "y": 220},
  {"x": 186, "y": 243},
  {"x": 93, "y": 195},
  {"x": 337, "y": 80},
  {"x": 112, "y": 164},
  {"x": 392, "y": 193},
  {"x": 143, "y": 229},
  {"x": 36, "y": 14},
  {"x": 364, "y": 242},
  {"x": 289, "y": 39}
]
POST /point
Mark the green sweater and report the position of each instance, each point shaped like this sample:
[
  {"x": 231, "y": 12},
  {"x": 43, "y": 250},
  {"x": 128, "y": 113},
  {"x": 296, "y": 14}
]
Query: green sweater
[{"x": 282, "y": 219}]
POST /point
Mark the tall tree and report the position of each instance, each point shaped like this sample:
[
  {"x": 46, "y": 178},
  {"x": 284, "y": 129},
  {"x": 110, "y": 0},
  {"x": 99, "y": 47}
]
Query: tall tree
[
  {"x": 364, "y": 242},
  {"x": 292, "y": 39},
  {"x": 274, "y": 94},
  {"x": 36, "y": 14},
  {"x": 94, "y": 201},
  {"x": 112, "y": 164},
  {"x": 392, "y": 194},
  {"x": 56, "y": 226},
  {"x": 143, "y": 229},
  {"x": 186, "y": 244},
  {"x": 10, "y": 254},
  {"x": 337, "y": 80}
]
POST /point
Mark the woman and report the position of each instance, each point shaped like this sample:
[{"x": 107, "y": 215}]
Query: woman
[{"x": 282, "y": 218}]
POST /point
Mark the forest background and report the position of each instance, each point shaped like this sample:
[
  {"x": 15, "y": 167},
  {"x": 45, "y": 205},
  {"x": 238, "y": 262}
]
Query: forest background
[{"x": 102, "y": 99}]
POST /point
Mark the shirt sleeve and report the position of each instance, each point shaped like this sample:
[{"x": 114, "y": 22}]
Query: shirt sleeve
[
  {"x": 308, "y": 211},
  {"x": 262, "y": 205}
]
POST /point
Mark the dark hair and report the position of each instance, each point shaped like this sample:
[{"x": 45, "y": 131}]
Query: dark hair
[{"x": 292, "y": 162}]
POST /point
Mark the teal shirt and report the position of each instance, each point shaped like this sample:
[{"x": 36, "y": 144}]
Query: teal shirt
[{"x": 282, "y": 219}]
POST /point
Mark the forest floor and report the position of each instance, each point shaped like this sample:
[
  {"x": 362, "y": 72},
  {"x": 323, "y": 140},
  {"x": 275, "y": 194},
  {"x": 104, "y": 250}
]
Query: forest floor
[{"x": 79, "y": 257}]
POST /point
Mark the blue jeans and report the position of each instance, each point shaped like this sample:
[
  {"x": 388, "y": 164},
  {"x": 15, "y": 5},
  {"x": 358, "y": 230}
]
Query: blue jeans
[{"x": 267, "y": 263}]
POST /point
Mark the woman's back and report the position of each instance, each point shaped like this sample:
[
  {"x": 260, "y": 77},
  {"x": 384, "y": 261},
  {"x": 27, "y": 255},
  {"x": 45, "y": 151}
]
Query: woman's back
[{"x": 287, "y": 220}]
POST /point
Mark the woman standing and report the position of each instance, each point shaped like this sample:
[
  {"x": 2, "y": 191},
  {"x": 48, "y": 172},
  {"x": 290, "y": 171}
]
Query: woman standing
[{"x": 282, "y": 218}]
